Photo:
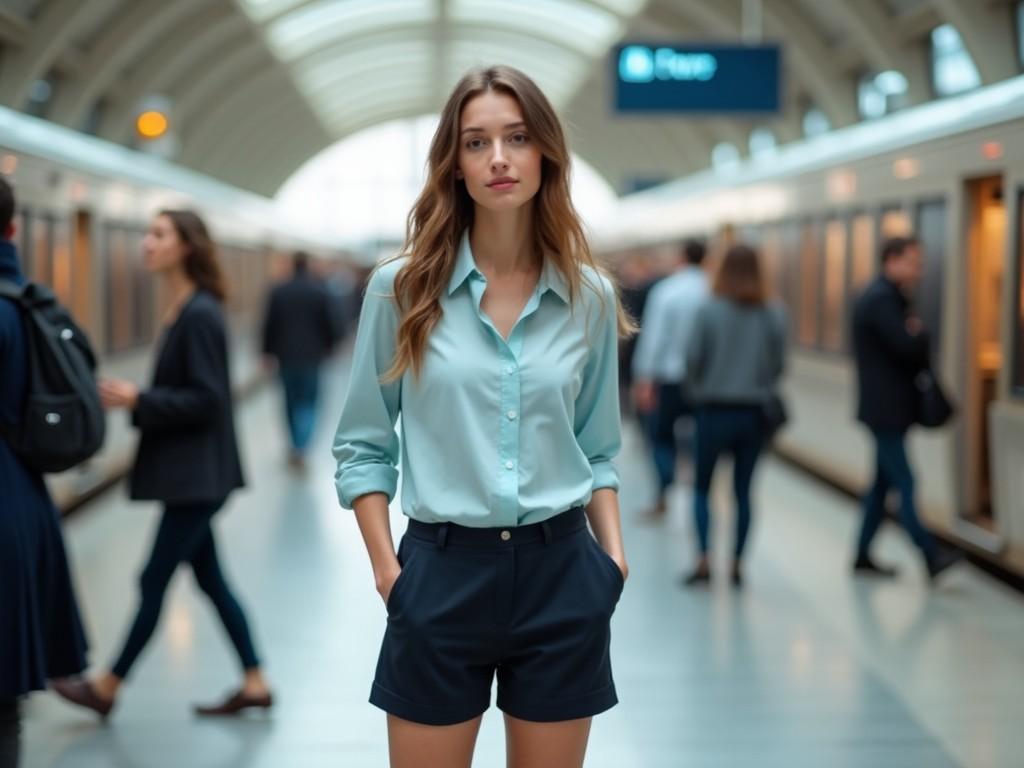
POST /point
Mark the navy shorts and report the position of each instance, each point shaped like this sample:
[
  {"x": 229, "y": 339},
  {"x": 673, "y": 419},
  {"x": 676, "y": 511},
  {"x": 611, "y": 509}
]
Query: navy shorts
[{"x": 532, "y": 604}]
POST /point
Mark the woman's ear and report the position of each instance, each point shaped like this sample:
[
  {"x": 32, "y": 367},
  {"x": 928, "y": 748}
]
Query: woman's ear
[{"x": 458, "y": 174}]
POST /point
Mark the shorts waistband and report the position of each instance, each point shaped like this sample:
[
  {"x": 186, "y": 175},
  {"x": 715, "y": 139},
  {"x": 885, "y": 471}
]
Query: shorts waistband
[{"x": 561, "y": 525}]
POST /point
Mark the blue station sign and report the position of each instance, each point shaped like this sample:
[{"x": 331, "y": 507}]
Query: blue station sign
[{"x": 692, "y": 78}]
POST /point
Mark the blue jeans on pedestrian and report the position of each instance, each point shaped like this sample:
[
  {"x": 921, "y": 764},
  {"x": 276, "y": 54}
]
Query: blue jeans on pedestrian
[
  {"x": 301, "y": 391},
  {"x": 734, "y": 429},
  {"x": 185, "y": 535},
  {"x": 661, "y": 426},
  {"x": 892, "y": 470}
]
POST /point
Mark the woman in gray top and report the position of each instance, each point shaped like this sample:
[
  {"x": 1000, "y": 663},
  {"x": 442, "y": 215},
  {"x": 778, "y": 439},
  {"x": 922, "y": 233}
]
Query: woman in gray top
[{"x": 734, "y": 361}]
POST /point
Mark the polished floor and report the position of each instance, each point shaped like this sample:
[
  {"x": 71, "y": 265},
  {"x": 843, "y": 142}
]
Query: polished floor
[{"x": 803, "y": 668}]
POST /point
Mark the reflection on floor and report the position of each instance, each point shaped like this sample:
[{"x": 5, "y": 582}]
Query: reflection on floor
[{"x": 803, "y": 668}]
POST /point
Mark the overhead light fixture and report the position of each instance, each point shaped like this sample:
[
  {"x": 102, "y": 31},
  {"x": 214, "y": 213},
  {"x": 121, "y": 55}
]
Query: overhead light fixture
[{"x": 906, "y": 168}]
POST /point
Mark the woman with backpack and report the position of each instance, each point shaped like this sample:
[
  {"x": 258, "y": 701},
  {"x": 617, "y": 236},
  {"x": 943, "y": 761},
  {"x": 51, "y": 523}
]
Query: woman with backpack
[
  {"x": 41, "y": 634},
  {"x": 187, "y": 456},
  {"x": 734, "y": 361}
]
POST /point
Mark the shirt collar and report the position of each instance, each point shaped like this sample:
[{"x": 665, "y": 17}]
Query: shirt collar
[
  {"x": 465, "y": 265},
  {"x": 551, "y": 278}
]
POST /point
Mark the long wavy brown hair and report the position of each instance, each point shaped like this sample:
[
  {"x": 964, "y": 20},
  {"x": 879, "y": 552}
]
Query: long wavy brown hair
[
  {"x": 201, "y": 264},
  {"x": 444, "y": 211}
]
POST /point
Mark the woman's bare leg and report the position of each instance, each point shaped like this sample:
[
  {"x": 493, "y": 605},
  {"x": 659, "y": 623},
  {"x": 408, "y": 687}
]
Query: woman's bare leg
[
  {"x": 413, "y": 745},
  {"x": 546, "y": 745}
]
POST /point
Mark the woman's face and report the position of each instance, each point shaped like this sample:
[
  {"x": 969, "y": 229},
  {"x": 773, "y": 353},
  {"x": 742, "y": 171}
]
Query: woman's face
[
  {"x": 162, "y": 248},
  {"x": 497, "y": 157}
]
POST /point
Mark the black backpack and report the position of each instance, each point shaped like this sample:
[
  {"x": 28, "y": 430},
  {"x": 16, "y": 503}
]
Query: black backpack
[{"x": 62, "y": 421}]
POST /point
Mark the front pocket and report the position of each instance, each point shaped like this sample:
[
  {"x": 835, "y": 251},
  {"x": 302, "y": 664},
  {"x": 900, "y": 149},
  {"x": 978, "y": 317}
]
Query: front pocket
[
  {"x": 404, "y": 560},
  {"x": 620, "y": 579}
]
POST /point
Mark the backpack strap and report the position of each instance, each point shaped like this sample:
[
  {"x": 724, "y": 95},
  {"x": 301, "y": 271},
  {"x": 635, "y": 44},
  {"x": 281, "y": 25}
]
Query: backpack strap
[{"x": 12, "y": 291}]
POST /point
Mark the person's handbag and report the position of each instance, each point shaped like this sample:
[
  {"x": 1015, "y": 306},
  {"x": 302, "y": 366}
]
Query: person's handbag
[
  {"x": 933, "y": 407},
  {"x": 773, "y": 416},
  {"x": 774, "y": 413}
]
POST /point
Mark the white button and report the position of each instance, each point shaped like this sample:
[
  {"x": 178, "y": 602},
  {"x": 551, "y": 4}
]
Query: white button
[
  {"x": 505, "y": 535},
  {"x": 509, "y": 464},
  {"x": 511, "y": 415},
  {"x": 510, "y": 369}
]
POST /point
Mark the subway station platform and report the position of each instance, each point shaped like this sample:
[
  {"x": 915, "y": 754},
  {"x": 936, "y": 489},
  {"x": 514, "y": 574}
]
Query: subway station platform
[{"x": 804, "y": 667}]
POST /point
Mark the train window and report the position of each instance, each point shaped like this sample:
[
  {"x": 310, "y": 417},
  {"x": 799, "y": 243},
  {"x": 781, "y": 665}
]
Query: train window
[
  {"x": 789, "y": 270},
  {"x": 771, "y": 259},
  {"x": 23, "y": 240},
  {"x": 810, "y": 259},
  {"x": 120, "y": 292},
  {"x": 42, "y": 240},
  {"x": 1018, "y": 331},
  {"x": 894, "y": 222},
  {"x": 863, "y": 254},
  {"x": 61, "y": 268},
  {"x": 834, "y": 298},
  {"x": 931, "y": 230}
]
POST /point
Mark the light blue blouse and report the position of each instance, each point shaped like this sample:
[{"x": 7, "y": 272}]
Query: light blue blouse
[{"x": 493, "y": 433}]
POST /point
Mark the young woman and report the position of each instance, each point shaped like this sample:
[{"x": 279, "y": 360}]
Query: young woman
[
  {"x": 187, "y": 456},
  {"x": 495, "y": 337},
  {"x": 734, "y": 362}
]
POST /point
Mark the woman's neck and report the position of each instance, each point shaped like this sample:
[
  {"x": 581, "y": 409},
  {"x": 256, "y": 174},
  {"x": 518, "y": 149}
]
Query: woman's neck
[
  {"x": 502, "y": 243},
  {"x": 180, "y": 288}
]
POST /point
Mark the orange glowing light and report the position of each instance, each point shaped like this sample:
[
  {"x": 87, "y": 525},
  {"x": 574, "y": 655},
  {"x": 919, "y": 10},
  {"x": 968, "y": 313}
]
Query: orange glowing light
[
  {"x": 151, "y": 124},
  {"x": 906, "y": 168},
  {"x": 9, "y": 164},
  {"x": 992, "y": 150}
]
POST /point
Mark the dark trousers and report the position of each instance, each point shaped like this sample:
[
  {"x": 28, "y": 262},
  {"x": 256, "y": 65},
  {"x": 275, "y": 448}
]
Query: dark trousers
[
  {"x": 185, "y": 536},
  {"x": 726, "y": 429},
  {"x": 10, "y": 733},
  {"x": 661, "y": 425},
  {"x": 301, "y": 391},
  {"x": 892, "y": 470}
]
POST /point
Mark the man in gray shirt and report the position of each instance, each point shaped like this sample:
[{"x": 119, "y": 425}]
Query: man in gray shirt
[{"x": 659, "y": 363}]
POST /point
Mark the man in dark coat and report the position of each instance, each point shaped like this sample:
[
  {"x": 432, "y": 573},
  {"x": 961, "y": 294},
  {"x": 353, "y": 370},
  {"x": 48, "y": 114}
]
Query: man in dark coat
[
  {"x": 300, "y": 328},
  {"x": 891, "y": 347},
  {"x": 41, "y": 635}
]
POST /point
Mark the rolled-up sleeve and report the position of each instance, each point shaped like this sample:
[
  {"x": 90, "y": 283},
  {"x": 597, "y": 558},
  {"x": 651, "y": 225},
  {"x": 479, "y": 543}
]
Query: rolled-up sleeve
[
  {"x": 596, "y": 424},
  {"x": 365, "y": 444}
]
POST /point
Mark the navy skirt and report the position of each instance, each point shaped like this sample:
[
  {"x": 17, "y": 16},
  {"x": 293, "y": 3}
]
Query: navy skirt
[{"x": 41, "y": 634}]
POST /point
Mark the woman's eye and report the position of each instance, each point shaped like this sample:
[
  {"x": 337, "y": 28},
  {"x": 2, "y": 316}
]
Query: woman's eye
[
  {"x": 474, "y": 143},
  {"x": 519, "y": 138}
]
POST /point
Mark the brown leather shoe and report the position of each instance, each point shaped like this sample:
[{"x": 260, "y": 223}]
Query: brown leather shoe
[
  {"x": 82, "y": 693},
  {"x": 235, "y": 703}
]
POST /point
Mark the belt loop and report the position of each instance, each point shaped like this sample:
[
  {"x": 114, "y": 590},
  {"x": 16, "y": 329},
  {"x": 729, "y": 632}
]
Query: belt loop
[
  {"x": 545, "y": 526},
  {"x": 442, "y": 536}
]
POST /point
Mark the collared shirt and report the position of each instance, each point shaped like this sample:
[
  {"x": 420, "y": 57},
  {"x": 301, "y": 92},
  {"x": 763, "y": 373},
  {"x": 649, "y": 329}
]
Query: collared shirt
[
  {"x": 666, "y": 326},
  {"x": 493, "y": 432}
]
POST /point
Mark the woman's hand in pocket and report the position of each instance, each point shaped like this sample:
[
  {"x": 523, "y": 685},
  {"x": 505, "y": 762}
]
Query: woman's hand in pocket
[{"x": 386, "y": 581}]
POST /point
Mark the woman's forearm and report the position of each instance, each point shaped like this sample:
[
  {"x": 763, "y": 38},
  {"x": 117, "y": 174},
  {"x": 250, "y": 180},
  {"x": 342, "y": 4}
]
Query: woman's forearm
[{"x": 375, "y": 525}]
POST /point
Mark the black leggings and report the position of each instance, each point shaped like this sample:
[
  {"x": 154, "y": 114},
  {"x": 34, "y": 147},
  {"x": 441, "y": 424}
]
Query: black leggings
[
  {"x": 185, "y": 536},
  {"x": 10, "y": 733}
]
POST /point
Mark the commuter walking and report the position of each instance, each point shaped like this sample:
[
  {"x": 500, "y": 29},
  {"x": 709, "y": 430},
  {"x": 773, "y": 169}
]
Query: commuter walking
[
  {"x": 187, "y": 457},
  {"x": 41, "y": 635},
  {"x": 735, "y": 357},
  {"x": 891, "y": 348},
  {"x": 495, "y": 337},
  {"x": 300, "y": 328},
  {"x": 659, "y": 364}
]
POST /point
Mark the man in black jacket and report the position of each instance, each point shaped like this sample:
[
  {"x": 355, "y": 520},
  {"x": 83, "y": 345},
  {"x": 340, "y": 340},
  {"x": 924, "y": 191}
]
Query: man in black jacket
[
  {"x": 892, "y": 349},
  {"x": 299, "y": 331}
]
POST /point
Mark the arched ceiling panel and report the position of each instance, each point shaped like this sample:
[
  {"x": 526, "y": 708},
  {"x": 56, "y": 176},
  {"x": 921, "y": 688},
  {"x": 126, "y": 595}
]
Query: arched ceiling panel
[{"x": 342, "y": 65}]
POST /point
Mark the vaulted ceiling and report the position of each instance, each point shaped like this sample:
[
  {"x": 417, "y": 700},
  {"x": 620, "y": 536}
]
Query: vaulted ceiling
[{"x": 256, "y": 87}]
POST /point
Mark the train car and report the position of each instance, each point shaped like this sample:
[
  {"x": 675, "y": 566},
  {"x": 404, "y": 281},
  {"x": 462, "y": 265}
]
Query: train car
[
  {"x": 83, "y": 208},
  {"x": 952, "y": 173}
]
